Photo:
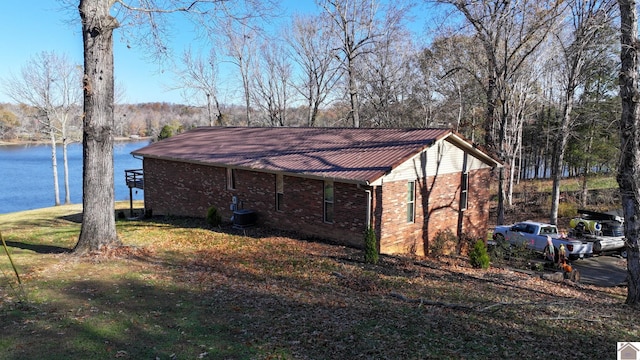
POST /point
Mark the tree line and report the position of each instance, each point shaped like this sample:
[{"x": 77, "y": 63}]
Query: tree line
[{"x": 530, "y": 81}]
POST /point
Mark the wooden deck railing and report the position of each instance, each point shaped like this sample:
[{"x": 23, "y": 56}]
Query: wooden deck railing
[{"x": 134, "y": 178}]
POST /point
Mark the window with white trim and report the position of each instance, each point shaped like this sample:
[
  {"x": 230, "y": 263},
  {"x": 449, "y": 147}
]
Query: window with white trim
[
  {"x": 411, "y": 201},
  {"x": 231, "y": 179},
  {"x": 464, "y": 191},
  {"x": 279, "y": 191},
  {"x": 328, "y": 201}
]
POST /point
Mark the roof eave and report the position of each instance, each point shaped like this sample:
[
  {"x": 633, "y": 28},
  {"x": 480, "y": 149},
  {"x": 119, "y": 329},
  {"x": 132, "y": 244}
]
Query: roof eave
[
  {"x": 365, "y": 182},
  {"x": 461, "y": 142}
]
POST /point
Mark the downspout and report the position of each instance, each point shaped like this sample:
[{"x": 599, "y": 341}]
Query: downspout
[
  {"x": 460, "y": 230},
  {"x": 369, "y": 208}
]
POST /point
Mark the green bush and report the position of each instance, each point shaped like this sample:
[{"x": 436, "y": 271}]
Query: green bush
[
  {"x": 478, "y": 256},
  {"x": 213, "y": 217},
  {"x": 370, "y": 247},
  {"x": 165, "y": 133}
]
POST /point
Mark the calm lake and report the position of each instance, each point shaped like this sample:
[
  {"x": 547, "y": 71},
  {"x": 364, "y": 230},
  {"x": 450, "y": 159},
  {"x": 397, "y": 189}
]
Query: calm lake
[{"x": 27, "y": 178}]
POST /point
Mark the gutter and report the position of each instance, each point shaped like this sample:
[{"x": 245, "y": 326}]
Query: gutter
[{"x": 369, "y": 208}]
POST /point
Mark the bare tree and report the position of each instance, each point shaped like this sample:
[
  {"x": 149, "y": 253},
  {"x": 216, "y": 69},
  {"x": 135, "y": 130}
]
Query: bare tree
[
  {"x": 578, "y": 49},
  {"x": 272, "y": 89},
  {"x": 510, "y": 32},
  {"x": 314, "y": 52},
  {"x": 50, "y": 83},
  {"x": 357, "y": 27},
  {"x": 240, "y": 40},
  {"x": 629, "y": 170},
  {"x": 387, "y": 80},
  {"x": 454, "y": 67},
  {"x": 199, "y": 77}
]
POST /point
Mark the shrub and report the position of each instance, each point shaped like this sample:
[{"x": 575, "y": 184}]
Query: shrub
[
  {"x": 165, "y": 133},
  {"x": 466, "y": 242},
  {"x": 567, "y": 210},
  {"x": 370, "y": 246},
  {"x": 443, "y": 239},
  {"x": 213, "y": 217},
  {"x": 478, "y": 256}
]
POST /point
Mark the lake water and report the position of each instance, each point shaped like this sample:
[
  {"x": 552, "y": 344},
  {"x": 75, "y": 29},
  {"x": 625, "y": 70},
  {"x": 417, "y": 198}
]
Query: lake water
[{"x": 26, "y": 180}]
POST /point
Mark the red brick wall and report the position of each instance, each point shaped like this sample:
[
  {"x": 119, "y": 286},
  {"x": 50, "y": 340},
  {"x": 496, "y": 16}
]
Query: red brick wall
[
  {"x": 399, "y": 236},
  {"x": 174, "y": 188},
  {"x": 183, "y": 189}
]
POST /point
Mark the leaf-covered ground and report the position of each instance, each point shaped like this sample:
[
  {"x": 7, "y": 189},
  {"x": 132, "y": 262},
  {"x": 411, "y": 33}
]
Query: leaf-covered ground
[{"x": 180, "y": 291}]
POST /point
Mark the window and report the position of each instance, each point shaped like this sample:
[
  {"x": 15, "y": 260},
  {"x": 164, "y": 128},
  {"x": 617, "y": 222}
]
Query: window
[
  {"x": 411, "y": 201},
  {"x": 464, "y": 191},
  {"x": 279, "y": 191},
  {"x": 328, "y": 201},
  {"x": 231, "y": 179}
]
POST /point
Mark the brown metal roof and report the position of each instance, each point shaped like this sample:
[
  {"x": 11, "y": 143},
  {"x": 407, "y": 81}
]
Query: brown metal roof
[{"x": 348, "y": 154}]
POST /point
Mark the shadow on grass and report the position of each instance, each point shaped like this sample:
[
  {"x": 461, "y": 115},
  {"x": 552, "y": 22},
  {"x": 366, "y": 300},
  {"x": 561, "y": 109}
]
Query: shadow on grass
[
  {"x": 40, "y": 249},
  {"x": 74, "y": 218},
  {"x": 234, "y": 314}
]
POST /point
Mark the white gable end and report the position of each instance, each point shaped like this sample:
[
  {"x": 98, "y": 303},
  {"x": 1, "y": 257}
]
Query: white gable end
[{"x": 441, "y": 158}]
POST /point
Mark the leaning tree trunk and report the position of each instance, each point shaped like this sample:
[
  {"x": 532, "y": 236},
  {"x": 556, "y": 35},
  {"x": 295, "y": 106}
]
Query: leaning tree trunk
[
  {"x": 629, "y": 171},
  {"x": 98, "y": 224}
]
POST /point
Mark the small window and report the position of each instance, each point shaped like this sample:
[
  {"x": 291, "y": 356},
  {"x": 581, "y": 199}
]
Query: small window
[
  {"x": 464, "y": 191},
  {"x": 279, "y": 191},
  {"x": 231, "y": 179},
  {"x": 411, "y": 201},
  {"x": 328, "y": 201}
]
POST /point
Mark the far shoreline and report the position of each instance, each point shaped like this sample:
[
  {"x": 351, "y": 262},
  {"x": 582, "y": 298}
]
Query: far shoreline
[{"x": 44, "y": 142}]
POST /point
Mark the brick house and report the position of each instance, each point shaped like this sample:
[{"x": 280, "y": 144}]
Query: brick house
[{"x": 329, "y": 183}]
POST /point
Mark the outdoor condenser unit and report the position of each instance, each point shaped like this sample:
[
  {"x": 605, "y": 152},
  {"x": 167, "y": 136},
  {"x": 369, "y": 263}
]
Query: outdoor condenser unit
[{"x": 244, "y": 218}]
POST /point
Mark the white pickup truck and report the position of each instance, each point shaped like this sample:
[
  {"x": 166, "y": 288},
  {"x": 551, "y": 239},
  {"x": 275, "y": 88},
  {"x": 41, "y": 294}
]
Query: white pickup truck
[{"x": 534, "y": 236}]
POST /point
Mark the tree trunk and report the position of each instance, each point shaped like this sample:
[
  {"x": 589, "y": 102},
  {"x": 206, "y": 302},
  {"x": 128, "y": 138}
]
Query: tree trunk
[
  {"x": 247, "y": 93},
  {"x": 353, "y": 97},
  {"x": 629, "y": 172},
  {"x": 65, "y": 164},
  {"x": 54, "y": 165},
  {"x": 587, "y": 169},
  {"x": 558, "y": 164},
  {"x": 98, "y": 199}
]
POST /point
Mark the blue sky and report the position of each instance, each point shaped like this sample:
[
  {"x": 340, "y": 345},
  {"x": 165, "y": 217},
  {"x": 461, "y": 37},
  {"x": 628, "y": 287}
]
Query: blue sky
[
  {"x": 30, "y": 27},
  {"x": 27, "y": 29}
]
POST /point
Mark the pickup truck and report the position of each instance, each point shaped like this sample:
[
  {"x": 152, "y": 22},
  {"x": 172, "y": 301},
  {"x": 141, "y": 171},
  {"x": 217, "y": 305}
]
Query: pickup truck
[{"x": 534, "y": 236}]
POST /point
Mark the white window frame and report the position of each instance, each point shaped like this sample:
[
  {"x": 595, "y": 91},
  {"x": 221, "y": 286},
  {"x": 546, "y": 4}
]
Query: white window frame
[
  {"x": 411, "y": 202},
  {"x": 328, "y": 203},
  {"x": 279, "y": 191},
  {"x": 464, "y": 191},
  {"x": 231, "y": 179}
]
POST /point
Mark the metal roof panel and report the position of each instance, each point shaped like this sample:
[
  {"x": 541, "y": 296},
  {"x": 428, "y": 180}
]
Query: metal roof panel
[{"x": 348, "y": 154}]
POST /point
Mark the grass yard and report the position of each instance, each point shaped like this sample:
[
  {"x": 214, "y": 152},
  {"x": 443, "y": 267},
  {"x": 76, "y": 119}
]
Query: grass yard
[{"x": 179, "y": 290}]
